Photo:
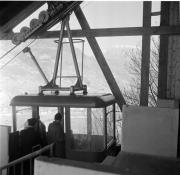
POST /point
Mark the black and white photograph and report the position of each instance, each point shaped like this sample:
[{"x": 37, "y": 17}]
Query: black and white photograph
[{"x": 90, "y": 87}]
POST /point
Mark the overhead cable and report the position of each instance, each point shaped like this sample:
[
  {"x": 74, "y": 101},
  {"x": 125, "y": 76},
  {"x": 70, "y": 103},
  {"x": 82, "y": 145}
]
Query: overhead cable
[
  {"x": 16, "y": 55},
  {"x": 8, "y": 52}
]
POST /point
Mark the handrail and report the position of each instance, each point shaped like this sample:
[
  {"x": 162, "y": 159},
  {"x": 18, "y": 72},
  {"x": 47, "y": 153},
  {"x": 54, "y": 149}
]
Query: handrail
[{"x": 28, "y": 156}]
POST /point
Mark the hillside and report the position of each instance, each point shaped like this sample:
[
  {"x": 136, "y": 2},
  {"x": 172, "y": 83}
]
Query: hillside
[{"x": 21, "y": 75}]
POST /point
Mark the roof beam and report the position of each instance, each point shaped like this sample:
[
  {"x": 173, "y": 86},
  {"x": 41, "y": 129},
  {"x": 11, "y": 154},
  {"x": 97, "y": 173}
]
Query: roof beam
[
  {"x": 101, "y": 59},
  {"x": 110, "y": 32},
  {"x": 20, "y": 17},
  {"x": 126, "y": 31}
]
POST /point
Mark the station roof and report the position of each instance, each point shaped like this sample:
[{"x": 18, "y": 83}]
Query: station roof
[
  {"x": 13, "y": 12},
  {"x": 78, "y": 101},
  {"x": 14, "y": 7}
]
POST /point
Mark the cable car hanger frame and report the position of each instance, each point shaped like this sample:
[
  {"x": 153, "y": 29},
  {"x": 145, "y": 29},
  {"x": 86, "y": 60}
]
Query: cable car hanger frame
[{"x": 52, "y": 86}]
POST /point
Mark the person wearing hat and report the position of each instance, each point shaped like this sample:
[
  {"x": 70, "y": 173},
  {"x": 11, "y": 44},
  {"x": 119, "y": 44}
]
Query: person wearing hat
[{"x": 56, "y": 135}]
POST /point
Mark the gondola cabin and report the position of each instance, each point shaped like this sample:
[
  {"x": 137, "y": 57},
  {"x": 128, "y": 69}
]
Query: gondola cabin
[{"x": 89, "y": 121}]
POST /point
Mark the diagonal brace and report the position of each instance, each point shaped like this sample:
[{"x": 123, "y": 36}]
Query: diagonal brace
[
  {"x": 100, "y": 59},
  {"x": 73, "y": 54},
  {"x": 58, "y": 51},
  {"x": 27, "y": 49}
]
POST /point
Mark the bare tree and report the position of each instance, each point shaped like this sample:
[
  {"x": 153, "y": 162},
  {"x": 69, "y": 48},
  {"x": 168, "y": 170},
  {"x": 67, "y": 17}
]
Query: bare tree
[{"x": 132, "y": 93}]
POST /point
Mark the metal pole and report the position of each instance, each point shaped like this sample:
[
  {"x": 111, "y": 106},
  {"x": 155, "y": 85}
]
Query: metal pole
[
  {"x": 89, "y": 127},
  {"x": 14, "y": 170},
  {"x": 61, "y": 62},
  {"x": 82, "y": 71},
  {"x": 27, "y": 157},
  {"x": 58, "y": 51},
  {"x": 8, "y": 171},
  {"x": 105, "y": 128},
  {"x": 14, "y": 118},
  {"x": 114, "y": 121},
  {"x": 27, "y": 49},
  {"x": 61, "y": 111},
  {"x": 68, "y": 128},
  {"x": 30, "y": 166},
  {"x": 35, "y": 111},
  {"x": 73, "y": 53}
]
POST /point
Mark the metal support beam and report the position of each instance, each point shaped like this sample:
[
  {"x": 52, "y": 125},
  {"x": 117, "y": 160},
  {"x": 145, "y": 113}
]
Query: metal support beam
[
  {"x": 58, "y": 52},
  {"x": 105, "y": 127},
  {"x": 109, "y": 32},
  {"x": 61, "y": 111},
  {"x": 89, "y": 127},
  {"x": 73, "y": 54},
  {"x": 146, "y": 40},
  {"x": 114, "y": 122},
  {"x": 14, "y": 118},
  {"x": 27, "y": 49},
  {"x": 101, "y": 59},
  {"x": 35, "y": 112},
  {"x": 163, "y": 54},
  {"x": 68, "y": 128}
]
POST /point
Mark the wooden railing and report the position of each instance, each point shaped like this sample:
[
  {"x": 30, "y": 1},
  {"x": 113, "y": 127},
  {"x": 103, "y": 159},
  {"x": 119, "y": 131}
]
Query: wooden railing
[{"x": 21, "y": 160}]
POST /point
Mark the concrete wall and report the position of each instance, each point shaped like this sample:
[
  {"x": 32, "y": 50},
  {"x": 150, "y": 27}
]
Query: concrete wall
[
  {"x": 151, "y": 131},
  {"x": 4, "y": 139},
  {"x": 55, "y": 166}
]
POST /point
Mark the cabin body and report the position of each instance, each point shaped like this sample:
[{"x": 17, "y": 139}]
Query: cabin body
[{"x": 96, "y": 115}]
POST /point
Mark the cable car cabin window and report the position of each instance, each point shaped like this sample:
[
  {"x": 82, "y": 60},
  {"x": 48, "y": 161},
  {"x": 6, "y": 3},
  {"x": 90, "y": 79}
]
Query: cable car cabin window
[
  {"x": 97, "y": 121},
  {"x": 47, "y": 115},
  {"x": 22, "y": 115},
  {"x": 78, "y": 120},
  {"x": 87, "y": 129},
  {"x": 78, "y": 124},
  {"x": 97, "y": 140}
]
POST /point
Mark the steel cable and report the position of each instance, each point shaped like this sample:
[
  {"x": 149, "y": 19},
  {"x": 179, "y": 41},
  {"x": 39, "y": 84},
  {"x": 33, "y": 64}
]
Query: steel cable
[
  {"x": 16, "y": 55},
  {"x": 8, "y": 52}
]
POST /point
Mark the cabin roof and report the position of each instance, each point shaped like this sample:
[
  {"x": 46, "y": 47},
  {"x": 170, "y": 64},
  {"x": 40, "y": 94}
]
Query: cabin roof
[{"x": 96, "y": 101}]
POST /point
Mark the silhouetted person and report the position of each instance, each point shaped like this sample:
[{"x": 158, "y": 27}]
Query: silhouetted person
[
  {"x": 39, "y": 128},
  {"x": 56, "y": 136},
  {"x": 29, "y": 137}
]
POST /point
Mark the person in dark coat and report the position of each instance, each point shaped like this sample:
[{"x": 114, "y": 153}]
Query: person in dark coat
[
  {"x": 39, "y": 128},
  {"x": 56, "y": 135}
]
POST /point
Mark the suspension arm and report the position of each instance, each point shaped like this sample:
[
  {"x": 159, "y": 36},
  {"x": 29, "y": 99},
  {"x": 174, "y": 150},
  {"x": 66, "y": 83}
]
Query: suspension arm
[{"x": 27, "y": 49}]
